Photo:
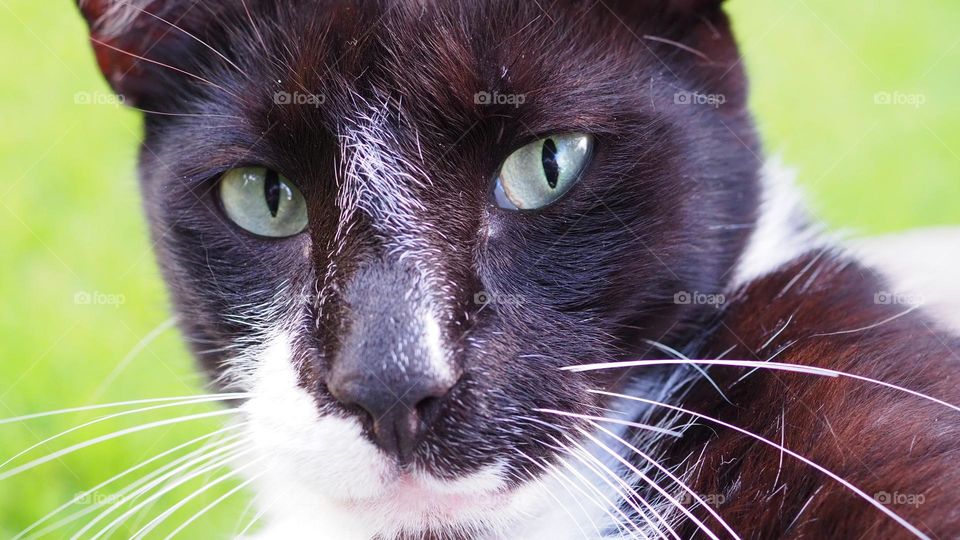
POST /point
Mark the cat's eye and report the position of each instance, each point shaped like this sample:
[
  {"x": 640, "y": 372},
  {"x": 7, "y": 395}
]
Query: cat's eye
[
  {"x": 543, "y": 171},
  {"x": 263, "y": 202}
]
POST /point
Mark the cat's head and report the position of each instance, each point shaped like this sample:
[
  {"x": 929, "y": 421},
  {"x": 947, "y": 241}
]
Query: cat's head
[{"x": 394, "y": 223}]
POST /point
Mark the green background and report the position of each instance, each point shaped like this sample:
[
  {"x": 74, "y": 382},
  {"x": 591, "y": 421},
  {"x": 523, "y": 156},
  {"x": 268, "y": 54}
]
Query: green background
[{"x": 71, "y": 223}]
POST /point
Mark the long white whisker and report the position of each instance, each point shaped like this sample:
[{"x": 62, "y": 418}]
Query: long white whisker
[
  {"x": 669, "y": 475},
  {"x": 168, "y": 66},
  {"x": 651, "y": 483},
  {"x": 91, "y": 442},
  {"x": 212, "y": 463},
  {"x": 625, "y": 491},
  {"x": 670, "y": 350},
  {"x": 876, "y": 504},
  {"x": 195, "y": 38},
  {"x": 550, "y": 470},
  {"x": 113, "y": 479},
  {"x": 225, "y": 397},
  {"x": 795, "y": 368},
  {"x": 623, "y": 522},
  {"x": 104, "y": 419},
  {"x": 210, "y": 506},
  {"x": 872, "y": 326},
  {"x": 637, "y": 425},
  {"x": 132, "y": 355},
  {"x": 153, "y": 524},
  {"x": 560, "y": 503},
  {"x": 253, "y": 522}
]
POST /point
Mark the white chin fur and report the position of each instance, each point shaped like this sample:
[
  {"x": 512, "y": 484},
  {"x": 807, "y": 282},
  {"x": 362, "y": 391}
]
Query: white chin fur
[{"x": 321, "y": 478}]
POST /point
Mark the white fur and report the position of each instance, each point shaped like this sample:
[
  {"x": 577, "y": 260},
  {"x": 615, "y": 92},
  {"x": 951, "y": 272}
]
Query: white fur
[
  {"x": 322, "y": 479},
  {"x": 783, "y": 230},
  {"x": 922, "y": 267}
]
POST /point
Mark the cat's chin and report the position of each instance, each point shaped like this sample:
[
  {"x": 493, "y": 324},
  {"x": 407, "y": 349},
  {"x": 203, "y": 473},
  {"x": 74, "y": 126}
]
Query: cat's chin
[
  {"x": 419, "y": 494},
  {"x": 409, "y": 506}
]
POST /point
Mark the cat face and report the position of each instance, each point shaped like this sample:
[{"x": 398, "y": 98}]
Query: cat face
[{"x": 395, "y": 223}]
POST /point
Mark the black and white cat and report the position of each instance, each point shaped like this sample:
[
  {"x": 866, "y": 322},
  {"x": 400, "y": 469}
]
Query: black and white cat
[{"x": 514, "y": 269}]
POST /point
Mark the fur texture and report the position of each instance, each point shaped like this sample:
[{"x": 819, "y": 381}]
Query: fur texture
[{"x": 395, "y": 155}]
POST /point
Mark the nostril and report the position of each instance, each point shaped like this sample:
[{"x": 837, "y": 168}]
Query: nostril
[{"x": 428, "y": 409}]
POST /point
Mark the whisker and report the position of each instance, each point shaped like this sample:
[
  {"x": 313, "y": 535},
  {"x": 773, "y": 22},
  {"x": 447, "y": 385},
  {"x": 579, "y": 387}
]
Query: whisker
[
  {"x": 623, "y": 522},
  {"x": 876, "y": 504},
  {"x": 603, "y": 471},
  {"x": 669, "y": 475},
  {"x": 153, "y": 524},
  {"x": 113, "y": 479},
  {"x": 655, "y": 429},
  {"x": 680, "y": 46},
  {"x": 795, "y": 368},
  {"x": 225, "y": 397},
  {"x": 188, "y": 34},
  {"x": 562, "y": 479},
  {"x": 175, "y": 467},
  {"x": 872, "y": 326},
  {"x": 117, "y": 434},
  {"x": 250, "y": 525},
  {"x": 253, "y": 522},
  {"x": 186, "y": 115},
  {"x": 168, "y": 66},
  {"x": 210, "y": 506},
  {"x": 651, "y": 483},
  {"x": 583, "y": 484},
  {"x": 670, "y": 350},
  {"x": 106, "y": 418},
  {"x": 124, "y": 362},
  {"x": 211, "y": 456}
]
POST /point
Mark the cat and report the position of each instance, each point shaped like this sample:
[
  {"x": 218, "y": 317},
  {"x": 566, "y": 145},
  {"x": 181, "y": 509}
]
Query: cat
[{"x": 513, "y": 269}]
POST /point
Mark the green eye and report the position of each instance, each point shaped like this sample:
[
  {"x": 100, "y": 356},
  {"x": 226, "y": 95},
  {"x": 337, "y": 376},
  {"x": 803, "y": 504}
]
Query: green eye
[
  {"x": 263, "y": 202},
  {"x": 542, "y": 172}
]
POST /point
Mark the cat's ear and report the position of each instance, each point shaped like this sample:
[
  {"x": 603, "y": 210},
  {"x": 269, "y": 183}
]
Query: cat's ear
[
  {"x": 134, "y": 41},
  {"x": 694, "y": 37},
  {"x": 693, "y": 6}
]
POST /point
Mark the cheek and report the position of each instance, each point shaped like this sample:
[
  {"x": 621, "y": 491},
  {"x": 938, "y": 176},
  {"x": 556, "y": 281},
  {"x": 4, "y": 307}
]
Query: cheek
[{"x": 313, "y": 450}]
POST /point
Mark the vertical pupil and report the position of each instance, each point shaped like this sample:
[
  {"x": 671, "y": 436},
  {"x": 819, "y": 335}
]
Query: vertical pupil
[
  {"x": 550, "y": 166},
  {"x": 271, "y": 192}
]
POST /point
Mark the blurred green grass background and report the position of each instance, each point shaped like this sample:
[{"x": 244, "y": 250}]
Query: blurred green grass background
[{"x": 71, "y": 224}]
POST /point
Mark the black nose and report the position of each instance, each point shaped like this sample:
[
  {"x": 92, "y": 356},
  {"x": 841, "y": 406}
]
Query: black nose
[
  {"x": 401, "y": 410},
  {"x": 393, "y": 360}
]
